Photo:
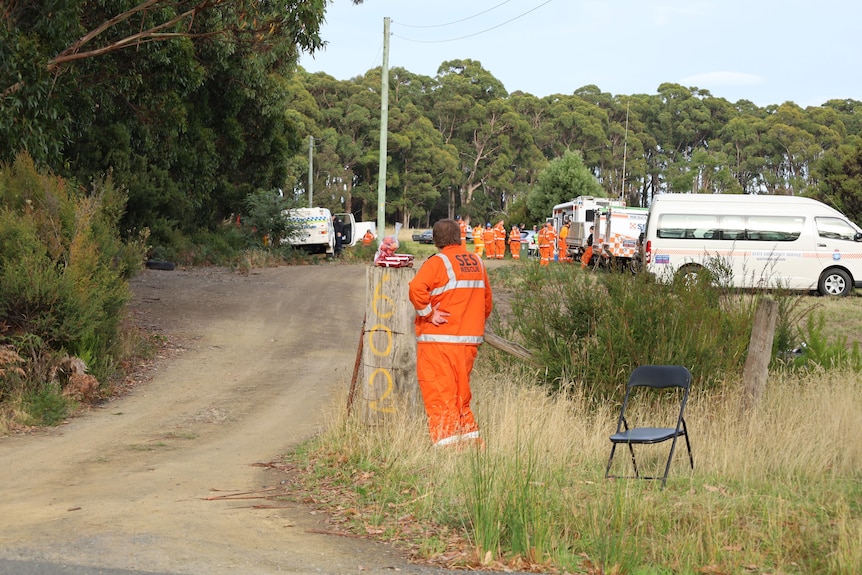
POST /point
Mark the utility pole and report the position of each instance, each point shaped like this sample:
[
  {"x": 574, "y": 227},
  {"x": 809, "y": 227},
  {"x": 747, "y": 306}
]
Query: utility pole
[
  {"x": 625, "y": 154},
  {"x": 384, "y": 131},
  {"x": 310, "y": 171}
]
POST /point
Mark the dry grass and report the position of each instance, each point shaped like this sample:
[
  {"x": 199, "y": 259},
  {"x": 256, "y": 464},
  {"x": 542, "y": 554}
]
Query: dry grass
[{"x": 773, "y": 491}]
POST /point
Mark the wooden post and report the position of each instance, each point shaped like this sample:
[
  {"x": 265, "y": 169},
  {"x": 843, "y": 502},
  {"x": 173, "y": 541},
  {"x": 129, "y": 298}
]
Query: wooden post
[
  {"x": 756, "y": 370},
  {"x": 389, "y": 350}
]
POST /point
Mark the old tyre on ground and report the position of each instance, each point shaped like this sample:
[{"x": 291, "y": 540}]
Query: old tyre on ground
[
  {"x": 835, "y": 282},
  {"x": 161, "y": 265}
]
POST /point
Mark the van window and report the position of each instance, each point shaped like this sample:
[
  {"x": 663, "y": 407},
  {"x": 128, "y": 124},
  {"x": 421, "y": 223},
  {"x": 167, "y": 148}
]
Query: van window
[
  {"x": 689, "y": 226},
  {"x": 835, "y": 229},
  {"x": 713, "y": 227},
  {"x": 774, "y": 228}
]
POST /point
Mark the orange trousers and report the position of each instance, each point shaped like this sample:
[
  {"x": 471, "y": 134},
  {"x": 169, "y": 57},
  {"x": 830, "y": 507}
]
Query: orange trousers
[
  {"x": 443, "y": 370},
  {"x": 500, "y": 249},
  {"x": 479, "y": 249},
  {"x": 587, "y": 256},
  {"x": 489, "y": 249},
  {"x": 515, "y": 248},
  {"x": 546, "y": 254}
]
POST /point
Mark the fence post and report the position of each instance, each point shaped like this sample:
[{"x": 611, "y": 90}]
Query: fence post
[
  {"x": 389, "y": 349},
  {"x": 756, "y": 370}
]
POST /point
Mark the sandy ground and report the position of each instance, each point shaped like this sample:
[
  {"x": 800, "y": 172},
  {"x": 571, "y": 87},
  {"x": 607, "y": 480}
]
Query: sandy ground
[{"x": 129, "y": 484}]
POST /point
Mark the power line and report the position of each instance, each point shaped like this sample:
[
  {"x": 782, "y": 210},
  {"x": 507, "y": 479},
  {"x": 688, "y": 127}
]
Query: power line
[
  {"x": 475, "y": 33},
  {"x": 456, "y": 21}
]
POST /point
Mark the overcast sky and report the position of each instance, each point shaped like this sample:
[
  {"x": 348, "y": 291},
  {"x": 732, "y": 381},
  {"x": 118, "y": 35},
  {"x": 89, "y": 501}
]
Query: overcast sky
[{"x": 765, "y": 51}]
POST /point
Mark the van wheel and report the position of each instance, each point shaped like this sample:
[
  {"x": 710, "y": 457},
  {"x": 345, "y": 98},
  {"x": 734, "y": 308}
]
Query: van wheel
[
  {"x": 835, "y": 282},
  {"x": 690, "y": 274}
]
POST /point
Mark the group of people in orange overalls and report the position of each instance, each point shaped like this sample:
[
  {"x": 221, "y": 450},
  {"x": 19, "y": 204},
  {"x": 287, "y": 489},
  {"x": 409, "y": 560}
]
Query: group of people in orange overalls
[
  {"x": 550, "y": 242},
  {"x": 491, "y": 241}
]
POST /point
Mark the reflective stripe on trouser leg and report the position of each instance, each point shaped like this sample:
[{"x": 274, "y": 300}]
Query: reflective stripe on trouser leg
[
  {"x": 444, "y": 371},
  {"x": 501, "y": 249}
]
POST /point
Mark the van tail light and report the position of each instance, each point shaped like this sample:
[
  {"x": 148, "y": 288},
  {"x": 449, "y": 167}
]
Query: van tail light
[{"x": 648, "y": 252}]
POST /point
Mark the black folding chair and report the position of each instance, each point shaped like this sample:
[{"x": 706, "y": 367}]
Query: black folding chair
[{"x": 656, "y": 377}]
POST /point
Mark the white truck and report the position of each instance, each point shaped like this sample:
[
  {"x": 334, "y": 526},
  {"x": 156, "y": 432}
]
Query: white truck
[
  {"x": 314, "y": 231},
  {"x": 582, "y": 212}
]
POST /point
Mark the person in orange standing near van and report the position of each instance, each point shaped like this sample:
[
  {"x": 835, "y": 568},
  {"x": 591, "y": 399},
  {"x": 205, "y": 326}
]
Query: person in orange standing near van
[
  {"x": 515, "y": 243},
  {"x": 462, "y": 225},
  {"x": 478, "y": 240},
  {"x": 587, "y": 256},
  {"x": 499, "y": 240},
  {"x": 368, "y": 238},
  {"x": 564, "y": 249},
  {"x": 452, "y": 298},
  {"x": 490, "y": 246},
  {"x": 547, "y": 242}
]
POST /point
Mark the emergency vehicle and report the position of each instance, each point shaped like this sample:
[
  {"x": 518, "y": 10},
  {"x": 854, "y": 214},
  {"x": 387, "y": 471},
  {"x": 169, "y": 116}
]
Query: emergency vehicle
[
  {"x": 618, "y": 240},
  {"x": 313, "y": 230},
  {"x": 756, "y": 241},
  {"x": 582, "y": 213}
]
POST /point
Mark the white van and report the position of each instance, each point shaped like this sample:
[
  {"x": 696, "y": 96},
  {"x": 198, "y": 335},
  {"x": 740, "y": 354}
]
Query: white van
[
  {"x": 756, "y": 241},
  {"x": 315, "y": 232}
]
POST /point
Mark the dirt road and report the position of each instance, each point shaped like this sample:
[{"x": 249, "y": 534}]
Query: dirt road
[{"x": 125, "y": 485}]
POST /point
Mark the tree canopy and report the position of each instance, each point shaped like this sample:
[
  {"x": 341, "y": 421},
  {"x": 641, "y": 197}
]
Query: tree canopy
[{"x": 193, "y": 105}]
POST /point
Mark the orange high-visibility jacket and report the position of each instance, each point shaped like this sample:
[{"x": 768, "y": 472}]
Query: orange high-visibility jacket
[
  {"x": 515, "y": 235},
  {"x": 463, "y": 225},
  {"x": 478, "y": 236},
  {"x": 547, "y": 237},
  {"x": 457, "y": 281},
  {"x": 499, "y": 232},
  {"x": 489, "y": 235}
]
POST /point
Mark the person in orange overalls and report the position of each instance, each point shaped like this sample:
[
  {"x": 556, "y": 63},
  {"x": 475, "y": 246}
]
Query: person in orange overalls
[
  {"x": 490, "y": 246},
  {"x": 452, "y": 298},
  {"x": 499, "y": 240},
  {"x": 368, "y": 238},
  {"x": 564, "y": 249},
  {"x": 547, "y": 243},
  {"x": 478, "y": 240},
  {"x": 587, "y": 256},
  {"x": 515, "y": 243},
  {"x": 462, "y": 225}
]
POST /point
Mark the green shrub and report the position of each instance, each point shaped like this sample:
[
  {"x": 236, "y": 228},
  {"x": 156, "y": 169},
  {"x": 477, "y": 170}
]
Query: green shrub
[
  {"x": 63, "y": 271},
  {"x": 590, "y": 330},
  {"x": 46, "y": 405},
  {"x": 827, "y": 353}
]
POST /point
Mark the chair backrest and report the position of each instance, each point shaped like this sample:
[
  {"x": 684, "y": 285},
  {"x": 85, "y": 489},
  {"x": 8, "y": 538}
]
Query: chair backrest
[{"x": 660, "y": 376}]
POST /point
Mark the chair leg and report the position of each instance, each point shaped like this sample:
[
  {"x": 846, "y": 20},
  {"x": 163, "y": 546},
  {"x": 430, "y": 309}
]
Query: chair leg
[
  {"x": 690, "y": 457},
  {"x": 610, "y": 459},
  {"x": 634, "y": 463},
  {"x": 669, "y": 459}
]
